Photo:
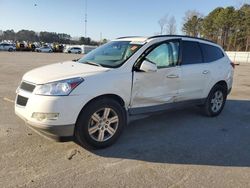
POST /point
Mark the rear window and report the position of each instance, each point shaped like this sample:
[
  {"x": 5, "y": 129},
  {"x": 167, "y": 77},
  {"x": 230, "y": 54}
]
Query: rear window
[
  {"x": 191, "y": 53},
  {"x": 211, "y": 53}
]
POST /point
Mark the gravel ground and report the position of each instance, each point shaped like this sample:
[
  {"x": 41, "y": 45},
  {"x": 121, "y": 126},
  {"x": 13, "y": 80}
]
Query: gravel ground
[{"x": 178, "y": 148}]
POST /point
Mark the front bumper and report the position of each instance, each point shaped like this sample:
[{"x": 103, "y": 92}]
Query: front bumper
[
  {"x": 54, "y": 132},
  {"x": 68, "y": 108}
]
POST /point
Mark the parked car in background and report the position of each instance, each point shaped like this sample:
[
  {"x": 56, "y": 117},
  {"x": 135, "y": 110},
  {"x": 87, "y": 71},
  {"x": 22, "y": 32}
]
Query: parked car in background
[
  {"x": 44, "y": 49},
  {"x": 74, "y": 50},
  {"x": 92, "y": 98},
  {"x": 7, "y": 47}
]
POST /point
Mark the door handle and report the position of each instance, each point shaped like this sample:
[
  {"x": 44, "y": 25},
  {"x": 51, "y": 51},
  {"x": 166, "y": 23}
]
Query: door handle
[
  {"x": 205, "y": 72},
  {"x": 172, "y": 76}
]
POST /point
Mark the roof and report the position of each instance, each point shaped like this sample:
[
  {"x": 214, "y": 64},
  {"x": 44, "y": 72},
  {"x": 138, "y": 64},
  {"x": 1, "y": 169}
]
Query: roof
[
  {"x": 144, "y": 39},
  {"x": 181, "y": 36},
  {"x": 133, "y": 38}
]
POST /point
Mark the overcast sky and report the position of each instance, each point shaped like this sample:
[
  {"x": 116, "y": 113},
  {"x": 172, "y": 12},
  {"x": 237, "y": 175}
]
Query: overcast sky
[{"x": 112, "y": 18}]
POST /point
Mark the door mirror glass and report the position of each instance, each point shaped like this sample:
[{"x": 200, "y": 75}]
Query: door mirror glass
[{"x": 148, "y": 66}]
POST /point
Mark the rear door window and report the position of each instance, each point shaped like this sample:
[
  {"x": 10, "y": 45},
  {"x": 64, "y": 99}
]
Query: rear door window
[
  {"x": 211, "y": 53},
  {"x": 191, "y": 53}
]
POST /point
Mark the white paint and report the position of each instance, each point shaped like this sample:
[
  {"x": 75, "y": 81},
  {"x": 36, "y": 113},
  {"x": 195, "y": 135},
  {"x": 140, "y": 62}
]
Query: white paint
[{"x": 166, "y": 85}]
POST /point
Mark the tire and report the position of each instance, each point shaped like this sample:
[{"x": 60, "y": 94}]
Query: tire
[
  {"x": 79, "y": 52},
  {"x": 215, "y": 101},
  {"x": 69, "y": 52},
  {"x": 94, "y": 128},
  {"x": 10, "y": 49}
]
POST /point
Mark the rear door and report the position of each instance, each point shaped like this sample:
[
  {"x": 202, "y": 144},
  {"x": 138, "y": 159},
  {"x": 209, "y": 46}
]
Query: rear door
[{"x": 195, "y": 73}]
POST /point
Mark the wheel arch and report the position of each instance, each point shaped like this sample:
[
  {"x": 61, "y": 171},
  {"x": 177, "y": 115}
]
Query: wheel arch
[
  {"x": 222, "y": 83},
  {"x": 108, "y": 96},
  {"x": 105, "y": 96}
]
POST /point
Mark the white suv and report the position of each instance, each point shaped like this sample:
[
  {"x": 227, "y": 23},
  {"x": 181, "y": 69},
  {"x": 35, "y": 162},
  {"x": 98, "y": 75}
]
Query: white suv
[
  {"x": 93, "y": 97},
  {"x": 75, "y": 50}
]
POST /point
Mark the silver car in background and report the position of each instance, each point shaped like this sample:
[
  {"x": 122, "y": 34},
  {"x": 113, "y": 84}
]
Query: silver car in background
[
  {"x": 45, "y": 49},
  {"x": 7, "y": 47}
]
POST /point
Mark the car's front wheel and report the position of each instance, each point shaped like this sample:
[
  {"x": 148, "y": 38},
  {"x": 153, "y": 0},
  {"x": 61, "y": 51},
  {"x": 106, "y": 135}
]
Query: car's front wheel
[
  {"x": 100, "y": 123},
  {"x": 215, "y": 101},
  {"x": 10, "y": 50}
]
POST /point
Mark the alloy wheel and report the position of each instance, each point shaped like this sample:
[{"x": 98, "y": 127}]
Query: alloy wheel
[{"x": 103, "y": 124}]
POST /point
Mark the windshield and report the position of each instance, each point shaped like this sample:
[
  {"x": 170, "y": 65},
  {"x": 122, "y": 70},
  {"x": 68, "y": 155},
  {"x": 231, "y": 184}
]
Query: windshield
[{"x": 112, "y": 54}]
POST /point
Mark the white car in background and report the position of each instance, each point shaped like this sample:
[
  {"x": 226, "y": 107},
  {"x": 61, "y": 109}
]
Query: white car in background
[
  {"x": 74, "y": 50},
  {"x": 92, "y": 98},
  {"x": 44, "y": 49},
  {"x": 7, "y": 47}
]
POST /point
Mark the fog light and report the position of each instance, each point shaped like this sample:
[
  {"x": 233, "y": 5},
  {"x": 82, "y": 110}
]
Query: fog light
[{"x": 45, "y": 116}]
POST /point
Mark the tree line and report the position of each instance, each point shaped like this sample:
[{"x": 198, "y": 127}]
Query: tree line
[
  {"x": 229, "y": 27},
  {"x": 44, "y": 36}
]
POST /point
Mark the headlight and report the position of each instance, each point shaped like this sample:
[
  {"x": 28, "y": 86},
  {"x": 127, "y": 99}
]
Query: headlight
[{"x": 58, "y": 88}]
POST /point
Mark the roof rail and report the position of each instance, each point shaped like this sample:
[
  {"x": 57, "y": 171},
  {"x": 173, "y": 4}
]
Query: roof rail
[
  {"x": 184, "y": 36},
  {"x": 129, "y": 37}
]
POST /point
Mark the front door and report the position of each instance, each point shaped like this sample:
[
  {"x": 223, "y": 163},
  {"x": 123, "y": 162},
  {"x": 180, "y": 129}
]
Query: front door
[{"x": 160, "y": 87}]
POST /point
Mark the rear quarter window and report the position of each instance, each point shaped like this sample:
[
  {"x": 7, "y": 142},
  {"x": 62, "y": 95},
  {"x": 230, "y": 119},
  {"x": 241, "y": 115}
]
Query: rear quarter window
[{"x": 211, "y": 53}]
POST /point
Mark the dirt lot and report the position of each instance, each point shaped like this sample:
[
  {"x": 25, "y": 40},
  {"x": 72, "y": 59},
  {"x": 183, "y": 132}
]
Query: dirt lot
[{"x": 178, "y": 148}]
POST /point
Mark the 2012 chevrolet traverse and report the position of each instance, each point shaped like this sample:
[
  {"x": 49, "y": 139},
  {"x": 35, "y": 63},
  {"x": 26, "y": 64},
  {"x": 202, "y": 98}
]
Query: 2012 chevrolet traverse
[{"x": 91, "y": 98}]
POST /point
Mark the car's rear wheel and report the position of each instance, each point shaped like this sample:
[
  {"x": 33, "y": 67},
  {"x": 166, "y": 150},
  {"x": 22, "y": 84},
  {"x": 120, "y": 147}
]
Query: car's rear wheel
[
  {"x": 215, "y": 101},
  {"x": 69, "y": 52},
  {"x": 100, "y": 123},
  {"x": 10, "y": 50},
  {"x": 79, "y": 52}
]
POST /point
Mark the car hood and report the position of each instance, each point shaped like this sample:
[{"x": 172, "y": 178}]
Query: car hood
[{"x": 61, "y": 71}]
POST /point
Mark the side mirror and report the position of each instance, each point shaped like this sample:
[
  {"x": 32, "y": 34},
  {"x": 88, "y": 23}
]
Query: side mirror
[{"x": 148, "y": 66}]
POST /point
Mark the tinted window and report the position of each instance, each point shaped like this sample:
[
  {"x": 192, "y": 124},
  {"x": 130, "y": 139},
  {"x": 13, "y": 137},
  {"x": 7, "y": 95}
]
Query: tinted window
[
  {"x": 165, "y": 55},
  {"x": 191, "y": 53},
  {"x": 211, "y": 53}
]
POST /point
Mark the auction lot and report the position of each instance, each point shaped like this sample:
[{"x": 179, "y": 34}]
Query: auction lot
[{"x": 177, "y": 148}]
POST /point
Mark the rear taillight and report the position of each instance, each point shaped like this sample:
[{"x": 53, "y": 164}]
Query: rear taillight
[{"x": 232, "y": 64}]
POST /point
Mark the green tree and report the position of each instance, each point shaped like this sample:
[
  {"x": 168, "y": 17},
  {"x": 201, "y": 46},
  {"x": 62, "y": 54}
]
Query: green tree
[
  {"x": 86, "y": 41},
  {"x": 225, "y": 21},
  {"x": 209, "y": 29},
  {"x": 26, "y": 35},
  {"x": 9, "y": 35},
  {"x": 246, "y": 25},
  {"x": 192, "y": 24}
]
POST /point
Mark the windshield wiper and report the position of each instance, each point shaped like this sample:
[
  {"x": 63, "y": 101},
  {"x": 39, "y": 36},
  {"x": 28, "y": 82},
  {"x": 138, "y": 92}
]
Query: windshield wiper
[{"x": 93, "y": 63}]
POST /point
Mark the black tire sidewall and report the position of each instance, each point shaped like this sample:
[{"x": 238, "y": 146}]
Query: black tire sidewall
[
  {"x": 208, "y": 105},
  {"x": 81, "y": 131}
]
